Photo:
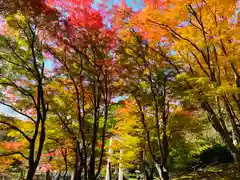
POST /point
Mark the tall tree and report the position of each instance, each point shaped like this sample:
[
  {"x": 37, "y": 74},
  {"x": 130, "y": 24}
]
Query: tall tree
[
  {"x": 23, "y": 84},
  {"x": 201, "y": 39},
  {"x": 146, "y": 79},
  {"x": 89, "y": 71}
]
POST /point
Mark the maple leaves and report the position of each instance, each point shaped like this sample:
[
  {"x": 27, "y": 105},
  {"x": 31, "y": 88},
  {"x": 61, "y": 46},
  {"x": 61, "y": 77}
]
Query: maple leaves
[
  {"x": 79, "y": 13},
  {"x": 13, "y": 146},
  {"x": 190, "y": 46}
]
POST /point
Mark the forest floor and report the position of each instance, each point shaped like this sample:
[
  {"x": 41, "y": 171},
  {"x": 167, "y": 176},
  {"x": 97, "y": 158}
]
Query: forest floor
[{"x": 222, "y": 172}]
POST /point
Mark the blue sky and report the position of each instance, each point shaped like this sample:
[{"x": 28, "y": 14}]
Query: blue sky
[{"x": 134, "y": 4}]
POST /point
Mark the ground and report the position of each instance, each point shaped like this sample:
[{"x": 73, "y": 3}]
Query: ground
[{"x": 222, "y": 172}]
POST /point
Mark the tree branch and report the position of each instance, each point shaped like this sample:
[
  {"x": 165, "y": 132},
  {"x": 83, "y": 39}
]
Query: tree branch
[
  {"x": 14, "y": 109},
  {"x": 15, "y": 128},
  {"x": 13, "y": 153}
]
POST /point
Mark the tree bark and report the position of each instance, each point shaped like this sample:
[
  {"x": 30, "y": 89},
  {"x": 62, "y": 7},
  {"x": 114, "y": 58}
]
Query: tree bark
[
  {"x": 108, "y": 168},
  {"x": 162, "y": 172},
  {"x": 224, "y": 134},
  {"x": 120, "y": 172},
  {"x": 78, "y": 163}
]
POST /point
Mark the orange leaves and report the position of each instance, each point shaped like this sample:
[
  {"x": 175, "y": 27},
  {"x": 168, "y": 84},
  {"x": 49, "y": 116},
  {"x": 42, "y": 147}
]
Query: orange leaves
[
  {"x": 5, "y": 163},
  {"x": 127, "y": 108},
  {"x": 184, "y": 112},
  {"x": 14, "y": 146},
  {"x": 122, "y": 110},
  {"x": 99, "y": 144}
]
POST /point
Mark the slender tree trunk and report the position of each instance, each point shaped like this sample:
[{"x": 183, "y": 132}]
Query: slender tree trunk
[
  {"x": 48, "y": 175},
  {"x": 78, "y": 162},
  {"x": 142, "y": 165},
  {"x": 96, "y": 104},
  {"x": 162, "y": 172},
  {"x": 108, "y": 168},
  {"x": 232, "y": 119},
  {"x": 32, "y": 167},
  {"x": 120, "y": 172},
  {"x": 224, "y": 134},
  {"x": 31, "y": 171}
]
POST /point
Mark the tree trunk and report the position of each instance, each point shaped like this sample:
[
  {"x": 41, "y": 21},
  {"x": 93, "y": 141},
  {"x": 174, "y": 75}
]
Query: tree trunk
[
  {"x": 142, "y": 165},
  {"x": 108, "y": 168},
  {"x": 224, "y": 134},
  {"x": 120, "y": 172},
  {"x": 31, "y": 171},
  {"x": 78, "y": 160},
  {"x": 162, "y": 172},
  {"x": 48, "y": 175}
]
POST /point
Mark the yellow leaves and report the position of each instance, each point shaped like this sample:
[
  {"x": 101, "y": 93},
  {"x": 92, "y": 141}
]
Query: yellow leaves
[
  {"x": 226, "y": 88},
  {"x": 119, "y": 83},
  {"x": 130, "y": 146},
  {"x": 128, "y": 129},
  {"x": 124, "y": 34},
  {"x": 5, "y": 163},
  {"x": 182, "y": 76},
  {"x": 27, "y": 126},
  {"x": 14, "y": 22},
  {"x": 227, "y": 7},
  {"x": 13, "y": 134}
]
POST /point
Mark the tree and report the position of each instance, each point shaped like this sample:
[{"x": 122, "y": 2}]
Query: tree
[
  {"x": 129, "y": 137},
  {"x": 88, "y": 71},
  {"x": 59, "y": 147},
  {"x": 146, "y": 80},
  {"x": 23, "y": 85},
  {"x": 37, "y": 11},
  {"x": 201, "y": 38}
]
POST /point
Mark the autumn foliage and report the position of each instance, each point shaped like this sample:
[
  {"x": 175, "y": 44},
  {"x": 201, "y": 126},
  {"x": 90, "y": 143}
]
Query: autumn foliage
[{"x": 93, "y": 86}]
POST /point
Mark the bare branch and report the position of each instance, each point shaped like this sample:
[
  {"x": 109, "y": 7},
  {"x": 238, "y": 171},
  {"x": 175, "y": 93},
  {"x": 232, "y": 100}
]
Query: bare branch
[
  {"x": 13, "y": 153},
  {"x": 15, "y": 128},
  {"x": 64, "y": 123},
  {"x": 19, "y": 112}
]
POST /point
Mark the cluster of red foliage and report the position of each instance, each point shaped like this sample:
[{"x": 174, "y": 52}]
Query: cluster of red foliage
[
  {"x": 79, "y": 13},
  {"x": 36, "y": 10},
  {"x": 55, "y": 153}
]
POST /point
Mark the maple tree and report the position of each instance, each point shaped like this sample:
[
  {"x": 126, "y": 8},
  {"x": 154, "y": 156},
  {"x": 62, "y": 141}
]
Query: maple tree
[
  {"x": 174, "y": 64},
  {"x": 88, "y": 71},
  {"x": 146, "y": 80},
  {"x": 22, "y": 86},
  {"x": 88, "y": 107},
  {"x": 200, "y": 37}
]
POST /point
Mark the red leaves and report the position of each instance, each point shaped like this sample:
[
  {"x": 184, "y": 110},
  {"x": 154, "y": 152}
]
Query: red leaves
[
  {"x": 9, "y": 93},
  {"x": 99, "y": 143},
  {"x": 45, "y": 167},
  {"x": 57, "y": 152},
  {"x": 79, "y": 13}
]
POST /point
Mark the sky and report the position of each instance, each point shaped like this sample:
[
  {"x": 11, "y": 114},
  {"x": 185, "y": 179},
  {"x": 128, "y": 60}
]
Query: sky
[{"x": 134, "y": 4}]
